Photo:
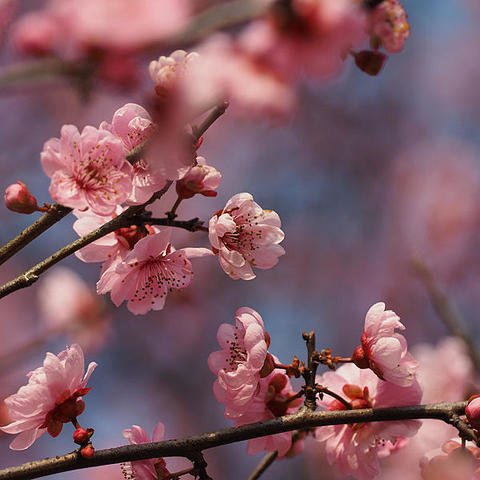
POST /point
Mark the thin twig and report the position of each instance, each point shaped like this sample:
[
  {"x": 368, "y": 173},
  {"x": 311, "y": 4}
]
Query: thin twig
[
  {"x": 266, "y": 461},
  {"x": 447, "y": 311},
  {"x": 186, "y": 446},
  {"x": 55, "y": 213},
  {"x": 210, "y": 119},
  {"x": 193, "y": 225}
]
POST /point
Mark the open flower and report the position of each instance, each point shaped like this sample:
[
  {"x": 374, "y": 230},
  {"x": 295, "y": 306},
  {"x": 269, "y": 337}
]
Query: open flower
[
  {"x": 239, "y": 363},
  {"x": 243, "y": 235},
  {"x": 383, "y": 350},
  {"x": 87, "y": 170},
  {"x": 51, "y": 398},
  {"x": 151, "y": 468},
  {"x": 356, "y": 448},
  {"x": 148, "y": 272}
]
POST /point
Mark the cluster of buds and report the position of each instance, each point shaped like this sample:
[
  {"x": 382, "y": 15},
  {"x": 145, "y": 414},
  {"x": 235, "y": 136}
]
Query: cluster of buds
[{"x": 81, "y": 436}]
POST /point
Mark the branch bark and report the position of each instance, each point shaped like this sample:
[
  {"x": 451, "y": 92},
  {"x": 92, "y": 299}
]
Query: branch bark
[
  {"x": 187, "y": 447},
  {"x": 55, "y": 214}
]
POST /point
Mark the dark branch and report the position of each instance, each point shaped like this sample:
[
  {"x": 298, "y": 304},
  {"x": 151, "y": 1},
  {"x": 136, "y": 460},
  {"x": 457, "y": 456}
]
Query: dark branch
[
  {"x": 55, "y": 213},
  {"x": 185, "y": 447}
]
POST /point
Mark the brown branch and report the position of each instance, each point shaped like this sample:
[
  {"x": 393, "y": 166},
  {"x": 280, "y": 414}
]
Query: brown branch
[
  {"x": 55, "y": 213},
  {"x": 210, "y": 119},
  {"x": 447, "y": 311},
  {"x": 187, "y": 447},
  {"x": 193, "y": 225},
  {"x": 31, "y": 276},
  {"x": 309, "y": 373}
]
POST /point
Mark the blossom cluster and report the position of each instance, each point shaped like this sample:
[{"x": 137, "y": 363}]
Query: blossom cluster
[
  {"x": 91, "y": 173},
  {"x": 254, "y": 386}
]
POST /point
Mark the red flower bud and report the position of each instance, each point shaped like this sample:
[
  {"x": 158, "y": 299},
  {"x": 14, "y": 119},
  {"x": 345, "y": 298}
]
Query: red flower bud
[
  {"x": 359, "y": 358},
  {"x": 473, "y": 413},
  {"x": 19, "y": 199},
  {"x": 82, "y": 435},
  {"x": 87, "y": 451}
]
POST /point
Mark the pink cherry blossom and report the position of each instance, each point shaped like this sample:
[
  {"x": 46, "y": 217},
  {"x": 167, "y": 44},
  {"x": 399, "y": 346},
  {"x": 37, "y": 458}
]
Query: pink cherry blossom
[
  {"x": 311, "y": 38},
  {"x": 272, "y": 400},
  {"x": 69, "y": 305},
  {"x": 87, "y": 170},
  {"x": 51, "y": 397},
  {"x": 238, "y": 365},
  {"x": 355, "y": 449},
  {"x": 383, "y": 350},
  {"x": 201, "y": 178},
  {"x": 152, "y": 468},
  {"x": 133, "y": 124},
  {"x": 389, "y": 25},
  {"x": 166, "y": 71},
  {"x": 243, "y": 235},
  {"x": 148, "y": 272}
]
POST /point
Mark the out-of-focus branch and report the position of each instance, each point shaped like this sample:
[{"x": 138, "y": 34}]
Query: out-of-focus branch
[
  {"x": 447, "y": 311},
  {"x": 266, "y": 461},
  {"x": 54, "y": 214},
  {"x": 191, "y": 446}
]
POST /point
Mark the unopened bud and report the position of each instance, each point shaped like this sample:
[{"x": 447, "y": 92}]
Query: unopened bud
[
  {"x": 19, "y": 199},
  {"x": 370, "y": 61},
  {"x": 81, "y": 436},
  {"x": 87, "y": 451},
  {"x": 473, "y": 413},
  {"x": 359, "y": 358}
]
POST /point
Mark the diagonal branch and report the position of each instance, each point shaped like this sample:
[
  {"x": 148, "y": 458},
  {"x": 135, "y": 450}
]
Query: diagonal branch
[
  {"x": 447, "y": 311},
  {"x": 54, "y": 214},
  {"x": 187, "y": 446}
]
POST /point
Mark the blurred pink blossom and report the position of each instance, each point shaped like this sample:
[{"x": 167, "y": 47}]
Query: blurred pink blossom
[
  {"x": 130, "y": 25},
  {"x": 244, "y": 235},
  {"x": 152, "y": 468},
  {"x": 389, "y": 25},
  {"x": 224, "y": 72},
  {"x": 149, "y": 272},
  {"x": 238, "y": 365},
  {"x": 51, "y": 397},
  {"x": 87, "y": 170},
  {"x": 312, "y": 37},
  {"x": 167, "y": 71},
  {"x": 69, "y": 305},
  {"x": 356, "y": 449},
  {"x": 451, "y": 462},
  {"x": 383, "y": 350}
]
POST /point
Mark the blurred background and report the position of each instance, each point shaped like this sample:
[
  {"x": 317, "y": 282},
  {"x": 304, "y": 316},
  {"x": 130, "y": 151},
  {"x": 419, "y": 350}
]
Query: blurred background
[{"x": 367, "y": 173}]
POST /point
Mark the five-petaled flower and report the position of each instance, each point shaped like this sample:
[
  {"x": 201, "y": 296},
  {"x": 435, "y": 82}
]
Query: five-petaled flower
[
  {"x": 383, "y": 350},
  {"x": 87, "y": 170},
  {"x": 148, "y": 272},
  {"x": 51, "y": 398},
  {"x": 244, "y": 235}
]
